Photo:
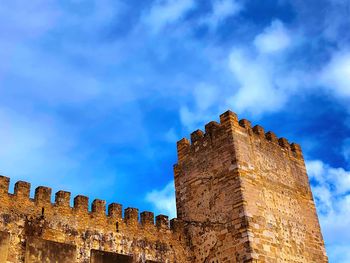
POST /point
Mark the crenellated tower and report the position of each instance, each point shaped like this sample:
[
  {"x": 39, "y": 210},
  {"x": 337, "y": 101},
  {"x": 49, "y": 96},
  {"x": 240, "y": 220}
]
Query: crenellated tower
[{"x": 244, "y": 196}]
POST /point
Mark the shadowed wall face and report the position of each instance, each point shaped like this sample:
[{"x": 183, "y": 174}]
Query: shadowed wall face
[
  {"x": 4, "y": 246},
  {"x": 40, "y": 250},
  {"x": 98, "y": 256}
]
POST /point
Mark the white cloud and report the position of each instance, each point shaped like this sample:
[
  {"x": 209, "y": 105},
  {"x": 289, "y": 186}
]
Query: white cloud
[
  {"x": 261, "y": 82},
  {"x": 205, "y": 98},
  {"x": 274, "y": 38},
  {"x": 163, "y": 200},
  {"x": 316, "y": 170},
  {"x": 258, "y": 87},
  {"x": 222, "y": 9},
  {"x": 264, "y": 78},
  {"x": 323, "y": 196},
  {"x": 337, "y": 178},
  {"x": 336, "y": 74},
  {"x": 331, "y": 189},
  {"x": 167, "y": 12}
]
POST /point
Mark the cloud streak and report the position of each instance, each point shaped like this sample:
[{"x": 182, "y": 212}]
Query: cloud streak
[
  {"x": 221, "y": 10},
  {"x": 331, "y": 189},
  {"x": 336, "y": 74},
  {"x": 163, "y": 200},
  {"x": 167, "y": 12}
]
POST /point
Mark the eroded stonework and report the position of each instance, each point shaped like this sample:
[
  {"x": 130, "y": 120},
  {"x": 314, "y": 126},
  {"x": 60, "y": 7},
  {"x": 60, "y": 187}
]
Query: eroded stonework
[{"x": 242, "y": 195}]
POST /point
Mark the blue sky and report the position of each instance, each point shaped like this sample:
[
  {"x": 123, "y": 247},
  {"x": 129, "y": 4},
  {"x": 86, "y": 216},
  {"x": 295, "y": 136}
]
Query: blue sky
[{"x": 94, "y": 94}]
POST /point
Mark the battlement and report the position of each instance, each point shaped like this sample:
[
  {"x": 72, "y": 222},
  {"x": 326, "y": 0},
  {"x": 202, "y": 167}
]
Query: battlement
[
  {"x": 81, "y": 208},
  {"x": 242, "y": 195},
  {"x": 216, "y": 133},
  {"x": 56, "y": 231},
  {"x": 249, "y": 190}
]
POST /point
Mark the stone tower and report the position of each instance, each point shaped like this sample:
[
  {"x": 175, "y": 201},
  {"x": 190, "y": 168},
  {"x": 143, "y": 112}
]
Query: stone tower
[{"x": 244, "y": 196}]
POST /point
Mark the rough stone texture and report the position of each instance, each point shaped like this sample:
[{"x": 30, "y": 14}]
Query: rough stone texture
[
  {"x": 39, "y": 250},
  {"x": 4, "y": 245},
  {"x": 25, "y": 218},
  {"x": 98, "y": 256},
  {"x": 242, "y": 195}
]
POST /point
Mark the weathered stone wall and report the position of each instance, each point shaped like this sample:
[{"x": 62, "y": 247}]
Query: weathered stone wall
[
  {"x": 208, "y": 196},
  {"x": 40, "y": 250},
  {"x": 4, "y": 245},
  {"x": 242, "y": 195},
  {"x": 98, "y": 256},
  {"x": 39, "y": 230},
  {"x": 245, "y": 197},
  {"x": 282, "y": 220}
]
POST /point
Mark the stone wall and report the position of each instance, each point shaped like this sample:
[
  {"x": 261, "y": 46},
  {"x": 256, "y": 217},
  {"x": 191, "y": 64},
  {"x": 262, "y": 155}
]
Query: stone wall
[
  {"x": 40, "y": 250},
  {"x": 209, "y": 198},
  {"x": 279, "y": 205},
  {"x": 98, "y": 256},
  {"x": 36, "y": 230},
  {"x": 244, "y": 196},
  {"x": 4, "y": 245}
]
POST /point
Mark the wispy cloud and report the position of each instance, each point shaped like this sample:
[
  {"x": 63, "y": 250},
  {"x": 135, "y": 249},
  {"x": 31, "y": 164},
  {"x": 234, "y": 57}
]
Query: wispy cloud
[
  {"x": 205, "y": 97},
  {"x": 274, "y": 38},
  {"x": 331, "y": 189},
  {"x": 167, "y": 12},
  {"x": 163, "y": 200},
  {"x": 261, "y": 72},
  {"x": 336, "y": 74},
  {"x": 221, "y": 10},
  {"x": 256, "y": 77}
]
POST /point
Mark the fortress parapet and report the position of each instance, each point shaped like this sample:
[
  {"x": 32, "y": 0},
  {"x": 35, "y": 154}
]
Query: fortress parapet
[
  {"x": 215, "y": 133},
  {"x": 61, "y": 223},
  {"x": 42, "y": 199},
  {"x": 242, "y": 195}
]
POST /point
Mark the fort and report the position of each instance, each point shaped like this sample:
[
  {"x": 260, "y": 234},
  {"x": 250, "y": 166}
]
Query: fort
[{"x": 242, "y": 195}]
